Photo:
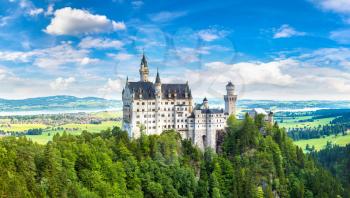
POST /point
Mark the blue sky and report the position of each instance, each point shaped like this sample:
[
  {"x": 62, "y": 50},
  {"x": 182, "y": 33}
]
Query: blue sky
[{"x": 285, "y": 50}]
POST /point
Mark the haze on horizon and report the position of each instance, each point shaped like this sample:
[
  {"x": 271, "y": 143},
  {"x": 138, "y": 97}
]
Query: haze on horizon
[{"x": 297, "y": 50}]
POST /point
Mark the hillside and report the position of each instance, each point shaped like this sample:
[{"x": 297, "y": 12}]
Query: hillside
[
  {"x": 109, "y": 164},
  {"x": 58, "y": 103}
]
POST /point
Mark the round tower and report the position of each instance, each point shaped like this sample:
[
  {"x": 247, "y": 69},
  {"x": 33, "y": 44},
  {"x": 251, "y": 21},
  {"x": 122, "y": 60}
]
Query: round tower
[
  {"x": 230, "y": 99},
  {"x": 144, "y": 69},
  {"x": 205, "y": 103}
]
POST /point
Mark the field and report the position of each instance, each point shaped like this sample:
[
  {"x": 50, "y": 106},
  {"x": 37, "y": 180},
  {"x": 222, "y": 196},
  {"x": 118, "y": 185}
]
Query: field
[
  {"x": 300, "y": 122},
  {"x": 21, "y": 127},
  {"x": 73, "y": 129},
  {"x": 321, "y": 142},
  {"x": 52, "y": 124}
]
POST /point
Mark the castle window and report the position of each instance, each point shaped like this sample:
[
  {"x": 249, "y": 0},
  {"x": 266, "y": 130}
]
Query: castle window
[
  {"x": 137, "y": 103},
  {"x": 172, "y": 102},
  {"x": 137, "y": 116},
  {"x": 137, "y": 110},
  {"x": 166, "y": 103},
  {"x": 183, "y": 102},
  {"x": 143, "y": 103},
  {"x": 153, "y": 103}
]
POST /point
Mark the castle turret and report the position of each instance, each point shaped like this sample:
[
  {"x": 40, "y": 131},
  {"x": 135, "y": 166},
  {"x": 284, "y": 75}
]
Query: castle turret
[
  {"x": 144, "y": 69},
  {"x": 230, "y": 99},
  {"x": 205, "y": 103},
  {"x": 158, "y": 85}
]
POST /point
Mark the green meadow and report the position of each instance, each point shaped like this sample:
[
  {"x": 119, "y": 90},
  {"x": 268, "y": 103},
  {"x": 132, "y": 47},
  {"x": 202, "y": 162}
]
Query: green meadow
[
  {"x": 73, "y": 129},
  {"x": 300, "y": 122},
  {"x": 320, "y": 143}
]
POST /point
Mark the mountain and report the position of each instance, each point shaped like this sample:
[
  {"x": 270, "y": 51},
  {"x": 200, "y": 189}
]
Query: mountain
[{"x": 58, "y": 103}]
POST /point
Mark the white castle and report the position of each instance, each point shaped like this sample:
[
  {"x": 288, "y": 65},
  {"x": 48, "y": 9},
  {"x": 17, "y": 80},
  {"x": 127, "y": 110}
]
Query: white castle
[{"x": 152, "y": 108}]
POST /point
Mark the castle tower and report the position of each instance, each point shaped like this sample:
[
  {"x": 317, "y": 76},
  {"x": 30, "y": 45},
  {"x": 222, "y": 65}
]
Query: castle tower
[
  {"x": 230, "y": 99},
  {"x": 158, "y": 86},
  {"x": 158, "y": 97},
  {"x": 205, "y": 103},
  {"x": 144, "y": 69}
]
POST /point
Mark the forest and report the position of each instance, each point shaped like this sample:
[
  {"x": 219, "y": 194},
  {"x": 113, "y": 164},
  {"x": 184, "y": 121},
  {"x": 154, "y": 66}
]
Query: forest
[
  {"x": 337, "y": 160},
  {"x": 255, "y": 159}
]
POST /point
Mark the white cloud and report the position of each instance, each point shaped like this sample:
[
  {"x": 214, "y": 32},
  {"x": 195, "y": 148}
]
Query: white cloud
[
  {"x": 286, "y": 31},
  {"x": 112, "y": 88},
  {"x": 50, "y": 9},
  {"x": 321, "y": 74},
  {"x": 121, "y": 56},
  {"x": 166, "y": 16},
  {"x": 338, "y": 6},
  {"x": 70, "y": 21},
  {"x": 264, "y": 73},
  {"x": 4, "y": 20},
  {"x": 36, "y": 11},
  {"x": 100, "y": 43},
  {"x": 211, "y": 34},
  {"x": 3, "y": 73},
  {"x": 87, "y": 61},
  {"x": 50, "y": 58},
  {"x": 341, "y": 36},
  {"x": 62, "y": 83},
  {"x": 341, "y": 7}
]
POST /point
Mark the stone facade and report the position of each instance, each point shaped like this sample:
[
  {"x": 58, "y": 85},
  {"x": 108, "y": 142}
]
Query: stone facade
[{"x": 156, "y": 107}]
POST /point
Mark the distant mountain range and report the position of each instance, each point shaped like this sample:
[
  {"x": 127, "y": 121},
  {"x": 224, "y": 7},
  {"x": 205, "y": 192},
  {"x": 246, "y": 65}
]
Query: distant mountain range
[
  {"x": 64, "y": 104},
  {"x": 58, "y": 103}
]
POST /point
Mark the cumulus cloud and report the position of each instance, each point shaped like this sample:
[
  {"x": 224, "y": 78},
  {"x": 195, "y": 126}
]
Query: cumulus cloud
[
  {"x": 321, "y": 74},
  {"x": 100, "y": 43},
  {"x": 50, "y": 58},
  {"x": 166, "y": 16},
  {"x": 338, "y": 6},
  {"x": 211, "y": 34},
  {"x": 62, "y": 83},
  {"x": 112, "y": 88},
  {"x": 36, "y": 11},
  {"x": 341, "y": 7},
  {"x": 87, "y": 61},
  {"x": 121, "y": 56},
  {"x": 70, "y": 21},
  {"x": 286, "y": 31}
]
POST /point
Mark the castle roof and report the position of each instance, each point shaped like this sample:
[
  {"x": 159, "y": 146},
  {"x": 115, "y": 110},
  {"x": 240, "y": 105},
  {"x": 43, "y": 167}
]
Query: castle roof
[
  {"x": 169, "y": 91},
  {"x": 229, "y": 84},
  {"x": 144, "y": 60}
]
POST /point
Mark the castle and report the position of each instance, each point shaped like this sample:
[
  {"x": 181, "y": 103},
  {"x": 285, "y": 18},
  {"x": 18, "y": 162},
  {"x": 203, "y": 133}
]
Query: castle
[{"x": 152, "y": 108}]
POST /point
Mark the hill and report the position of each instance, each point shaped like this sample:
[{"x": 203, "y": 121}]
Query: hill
[
  {"x": 110, "y": 164},
  {"x": 57, "y": 103}
]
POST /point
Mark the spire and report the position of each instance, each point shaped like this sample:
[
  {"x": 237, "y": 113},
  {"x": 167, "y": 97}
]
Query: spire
[
  {"x": 144, "y": 60},
  {"x": 157, "y": 78},
  {"x": 127, "y": 81}
]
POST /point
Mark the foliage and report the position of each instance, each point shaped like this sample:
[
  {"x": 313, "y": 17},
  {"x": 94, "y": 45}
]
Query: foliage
[{"x": 109, "y": 164}]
